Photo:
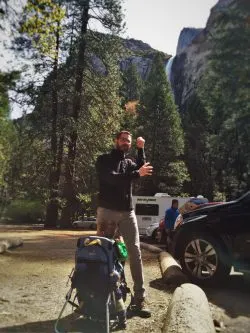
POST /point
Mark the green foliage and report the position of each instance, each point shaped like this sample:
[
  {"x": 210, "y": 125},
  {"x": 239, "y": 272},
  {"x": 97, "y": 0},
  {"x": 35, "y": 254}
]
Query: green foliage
[
  {"x": 109, "y": 14},
  {"x": 25, "y": 211},
  {"x": 224, "y": 91},
  {"x": 131, "y": 84},
  {"x": 131, "y": 90},
  {"x": 101, "y": 114},
  {"x": 196, "y": 124},
  {"x": 29, "y": 163},
  {"x": 84, "y": 198},
  {"x": 160, "y": 123},
  {"x": 7, "y": 133},
  {"x": 219, "y": 196},
  {"x": 42, "y": 23},
  {"x": 85, "y": 202},
  {"x": 80, "y": 106}
]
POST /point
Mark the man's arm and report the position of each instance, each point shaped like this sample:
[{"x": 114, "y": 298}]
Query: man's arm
[
  {"x": 140, "y": 157},
  {"x": 140, "y": 160},
  {"x": 112, "y": 177}
]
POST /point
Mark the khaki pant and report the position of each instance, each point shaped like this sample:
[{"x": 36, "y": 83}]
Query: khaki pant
[{"x": 109, "y": 222}]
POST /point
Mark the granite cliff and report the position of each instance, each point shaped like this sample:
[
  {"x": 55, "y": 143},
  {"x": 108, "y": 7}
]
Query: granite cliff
[
  {"x": 190, "y": 61},
  {"x": 140, "y": 54}
]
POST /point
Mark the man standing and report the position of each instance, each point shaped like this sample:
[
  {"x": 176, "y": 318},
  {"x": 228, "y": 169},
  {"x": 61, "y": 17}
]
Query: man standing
[
  {"x": 170, "y": 217},
  {"x": 115, "y": 210}
]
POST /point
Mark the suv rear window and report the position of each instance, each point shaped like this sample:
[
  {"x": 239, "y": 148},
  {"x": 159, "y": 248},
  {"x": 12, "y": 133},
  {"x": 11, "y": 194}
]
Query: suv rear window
[{"x": 147, "y": 209}]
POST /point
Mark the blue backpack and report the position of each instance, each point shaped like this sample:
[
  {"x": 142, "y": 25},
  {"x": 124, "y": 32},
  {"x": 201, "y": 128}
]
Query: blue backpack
[{"x": 97, "y": 274}]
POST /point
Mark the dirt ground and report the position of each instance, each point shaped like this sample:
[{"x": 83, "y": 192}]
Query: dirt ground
[
  {"x": 33, "y": 283},
  {"x": 33, "y": 287}
]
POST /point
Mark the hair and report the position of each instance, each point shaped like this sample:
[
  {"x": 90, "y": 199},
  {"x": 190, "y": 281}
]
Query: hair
[
  {"x": 174, "y": 201},
  {"x": 118, "y": 135}
]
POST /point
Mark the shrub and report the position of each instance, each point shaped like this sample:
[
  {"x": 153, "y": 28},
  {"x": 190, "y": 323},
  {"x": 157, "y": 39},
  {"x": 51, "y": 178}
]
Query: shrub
[{"x": 25, "y": 211}]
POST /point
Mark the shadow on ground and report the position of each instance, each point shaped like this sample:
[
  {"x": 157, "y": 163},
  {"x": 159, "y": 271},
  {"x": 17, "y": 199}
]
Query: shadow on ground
[
  {"x": 233, "y": 295},
  {"x": 67, "y": 324},
  {"x": 159, "y": 284}
]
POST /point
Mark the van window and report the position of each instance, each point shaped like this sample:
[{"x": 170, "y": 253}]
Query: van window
[{"x": 147, "y": 209}]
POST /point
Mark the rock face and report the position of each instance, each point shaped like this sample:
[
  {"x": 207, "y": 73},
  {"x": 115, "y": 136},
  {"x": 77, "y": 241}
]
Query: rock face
[
  {"x": 188, "y": 67},
  {"x": 141, "y": 54},
  {"x": 191, "y": 59},
  {"x": 186, "y": 37},
  {"x": 136, "y": 52},
  {"x": 217, "y": 9}
]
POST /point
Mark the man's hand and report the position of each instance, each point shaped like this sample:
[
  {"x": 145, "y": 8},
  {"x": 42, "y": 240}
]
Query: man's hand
[
  {"x": 146, "y": 170},
  {"x": 140, "y": 142}
]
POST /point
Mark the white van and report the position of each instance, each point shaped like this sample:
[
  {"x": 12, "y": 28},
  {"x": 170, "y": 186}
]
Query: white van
[{"x": 150, "y": 210}]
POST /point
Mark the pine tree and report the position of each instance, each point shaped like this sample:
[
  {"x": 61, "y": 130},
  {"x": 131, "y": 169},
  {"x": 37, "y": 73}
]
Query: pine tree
[
  {"x": 63, "y": 99},
  {"x": 196, "y": 124},
  {"x": 131, "y": 90},
  {"x": 225, "y": 93},
  {"x": 6, "y": 128},
  {"x": 42, "y": 25},
  {"x": 160, "y": 123},
  {"x": 131, "y": 84},
  {"x": 109, "y": 14},
  {"x": 7, "y": 132},
  {"x": 101, "y": 115}
]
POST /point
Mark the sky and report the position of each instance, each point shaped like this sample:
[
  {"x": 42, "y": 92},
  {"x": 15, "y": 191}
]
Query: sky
[{"x": 159, "y": 22}]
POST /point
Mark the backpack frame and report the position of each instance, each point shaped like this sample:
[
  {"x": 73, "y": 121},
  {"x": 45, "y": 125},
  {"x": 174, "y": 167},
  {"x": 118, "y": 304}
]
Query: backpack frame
[{"x": 98, "y": 281}]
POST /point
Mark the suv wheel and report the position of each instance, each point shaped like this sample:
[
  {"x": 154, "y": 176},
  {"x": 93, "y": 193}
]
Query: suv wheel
[{"x": 204, "y": 258}]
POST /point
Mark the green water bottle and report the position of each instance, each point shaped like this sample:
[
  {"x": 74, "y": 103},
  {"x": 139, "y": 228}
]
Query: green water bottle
[{"x": 123, "y": 252}]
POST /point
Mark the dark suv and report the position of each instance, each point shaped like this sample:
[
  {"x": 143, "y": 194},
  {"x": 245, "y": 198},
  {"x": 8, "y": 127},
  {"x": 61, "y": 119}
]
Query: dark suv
[{"x": 213, "y": 239}]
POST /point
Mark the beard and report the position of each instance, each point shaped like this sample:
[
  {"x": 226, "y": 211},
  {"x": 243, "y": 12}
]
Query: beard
[{"x": 124, "y": 148}]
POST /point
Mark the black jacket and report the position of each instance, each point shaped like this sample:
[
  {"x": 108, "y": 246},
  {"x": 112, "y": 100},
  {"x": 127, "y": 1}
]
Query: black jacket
[{"x": 115, "y": 174}]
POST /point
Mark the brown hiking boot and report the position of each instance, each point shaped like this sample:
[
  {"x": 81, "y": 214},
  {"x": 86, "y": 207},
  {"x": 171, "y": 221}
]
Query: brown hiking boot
[{"x": 141, "y": 309}]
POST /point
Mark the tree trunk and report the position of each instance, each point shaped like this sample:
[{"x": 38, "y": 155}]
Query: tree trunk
[
  {"x": 69, "y": 190},
  {"x": 53, "y": 203}
]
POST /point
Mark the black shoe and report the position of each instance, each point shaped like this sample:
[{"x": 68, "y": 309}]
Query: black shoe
[
  {"x": 122, "y": 320},
  {"x": 139, "y": 308},
  {"x": 121, "y": 326}
]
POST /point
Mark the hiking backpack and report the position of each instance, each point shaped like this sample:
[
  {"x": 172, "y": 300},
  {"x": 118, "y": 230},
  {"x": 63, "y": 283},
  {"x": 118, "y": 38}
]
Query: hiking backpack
[{"x": 98, "y": 276}]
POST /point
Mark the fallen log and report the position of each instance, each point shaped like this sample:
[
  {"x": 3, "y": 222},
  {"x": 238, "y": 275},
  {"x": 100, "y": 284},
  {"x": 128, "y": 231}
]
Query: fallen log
[
  {"x": 171, "y": 271},
  {"x": 188, "y": 311},
  {"x": 150, "y": 248}
]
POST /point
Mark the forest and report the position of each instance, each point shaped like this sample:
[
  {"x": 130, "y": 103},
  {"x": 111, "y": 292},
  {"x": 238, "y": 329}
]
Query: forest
[{"x": 81, "y": 96}]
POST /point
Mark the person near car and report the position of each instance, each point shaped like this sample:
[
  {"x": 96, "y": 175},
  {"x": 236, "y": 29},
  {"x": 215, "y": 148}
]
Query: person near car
[
  {"x": 115, "y": 210},
  {"x": 170, "y": 217}
]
